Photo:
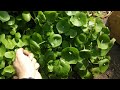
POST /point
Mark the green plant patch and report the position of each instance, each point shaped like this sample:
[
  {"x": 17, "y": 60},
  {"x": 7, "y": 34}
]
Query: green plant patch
[{"x": 63, "y": 42}]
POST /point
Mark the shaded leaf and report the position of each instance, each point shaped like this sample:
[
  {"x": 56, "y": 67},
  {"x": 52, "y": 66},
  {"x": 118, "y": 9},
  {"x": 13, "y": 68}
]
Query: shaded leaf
[
  {"x": 70, "y": 54},
  {"x": 4, "y": 16}
]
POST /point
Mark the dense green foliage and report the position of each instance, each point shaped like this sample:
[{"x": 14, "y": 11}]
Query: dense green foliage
[{"x": 67, "y": 44}]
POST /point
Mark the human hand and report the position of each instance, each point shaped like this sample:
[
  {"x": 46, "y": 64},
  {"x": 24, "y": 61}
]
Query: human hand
[{"x": 25, "y": 65}]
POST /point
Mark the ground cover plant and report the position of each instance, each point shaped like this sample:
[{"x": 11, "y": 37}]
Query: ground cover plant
[{"x": 67, "y": 44}]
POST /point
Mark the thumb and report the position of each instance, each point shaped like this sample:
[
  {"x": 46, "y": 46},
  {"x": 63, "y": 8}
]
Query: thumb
[{"x": 19, "y": 52}]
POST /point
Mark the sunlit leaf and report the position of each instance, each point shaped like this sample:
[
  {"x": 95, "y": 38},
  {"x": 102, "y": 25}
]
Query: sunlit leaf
[
  {"x": 80, "y": 19},
  {"x": 55, "y": 40}
]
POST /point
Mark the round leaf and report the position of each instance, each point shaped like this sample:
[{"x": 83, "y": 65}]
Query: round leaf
[
  {"x": 80, "y": 19},
  {"x": 63, "y": 26},
  {"x": 61, "y": 68},
  {"x": 50, "y": 16},
  {"x": 4, "y": 16},
  {"x": 103, "y": 64},
  {"x": 81, "y": 38},
  {"x": 99, "y": 25},
  {"x": 55, "y": 40},
  {"x": 72, "y": 33},
  {"x": 70, "y": 54},
  {"x": 103, "y": 41},
  {"x": 26, "y": 16}
]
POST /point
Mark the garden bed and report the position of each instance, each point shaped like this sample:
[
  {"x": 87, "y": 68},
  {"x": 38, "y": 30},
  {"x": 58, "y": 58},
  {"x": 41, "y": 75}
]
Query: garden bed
[{"x": 66, "y": 44}]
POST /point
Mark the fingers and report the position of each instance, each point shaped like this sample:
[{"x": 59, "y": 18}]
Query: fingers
[
  {"x": 37, "y": 66},
  {"x": 31, "y": 56},
  {"x": 34, "y": 61},
  {"x": 38, "y": 75},
  {"x": 26, "y": 52},
  {"x": 19, "y": 52}
]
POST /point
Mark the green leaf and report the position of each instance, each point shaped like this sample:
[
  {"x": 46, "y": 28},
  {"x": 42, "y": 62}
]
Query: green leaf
[
  {"x": 95, "y": 71},
  {"x": 72, "y": 33},
  {"x": 61, "y": 67},
  {"x": 11, "y": 21},
  {"x": 47, "y": 28},
  {"x": 85, "y": 53},
  {"x": 41, "y": 17},
  {"x": 17, "y": 35},
  {"x": 92, "y": 21},
  {"x": 99, "y": 24},
  {"x": 82, "y": 65},
  {"x": 2, "y": 50},
  {"x": 103, "y": 65},
  {"x": 81, "y": 38},
  {"x": 34, "y": 46},
  {"x": 2, "y": 77},
  {"x": 36, "y": 37},
  {"x": 19, "y": 17},
  {"x": 9, "y": 44},
  {"x": 2, "y": 64},
  {"x": 13, "y": 31},
  {"x": 106, "y": 30},
  {"x": 55, "y": 40},
  {"x": 70, "y": 13},
  {"x": 8, "y": 71},
  {"x": 10, "y": 54},
  {"x": 80, "y": 19},
  {"x": 25, "y": 39},
  {"x": 20, "y": 43},
  {"x": 94, "y": 59},
  {"x": 65, "y": 44},
  {"x": 2, "y": 37},
  {"x": 4, "y": 16},
  {"x": 50, "y": 66},
  {"x": 26, "y": 16},
  {"x": 84, "y": 74},
  {"x": 63, "y": 26},
  {"x": 49, "y": 55},
  {"x": 50, "y": 16},
  {"x": 103, "y": 41},
  {"x": 70, "y": 54}
]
